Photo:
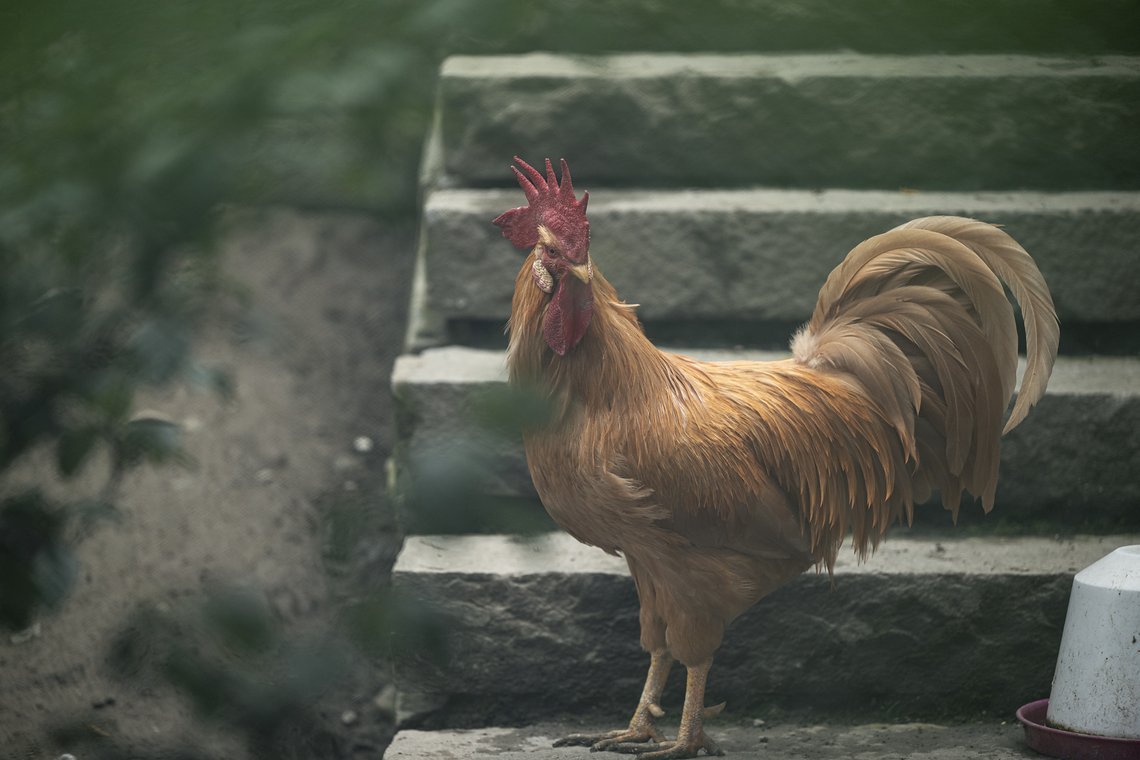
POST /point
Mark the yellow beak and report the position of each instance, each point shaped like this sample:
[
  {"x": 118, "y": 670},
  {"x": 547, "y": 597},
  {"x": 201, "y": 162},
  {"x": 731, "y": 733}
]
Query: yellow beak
[{"x": 584, "y": 272}]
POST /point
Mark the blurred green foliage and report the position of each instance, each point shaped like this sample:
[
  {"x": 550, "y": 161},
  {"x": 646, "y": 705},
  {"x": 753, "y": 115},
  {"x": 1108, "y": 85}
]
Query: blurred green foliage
[
  {"x": 108, "y": 210},
  {"x": 232, "y": 661},
  {"x": 36, "y": 565},
  {"x": 452, "y": 486},
  {"x": 127, "y": 130},
  {"x": 236, "y": 666}
]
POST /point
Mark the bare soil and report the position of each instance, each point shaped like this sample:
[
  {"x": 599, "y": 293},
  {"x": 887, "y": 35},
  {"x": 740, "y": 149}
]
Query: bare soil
[{"x": 315, "y": 318}]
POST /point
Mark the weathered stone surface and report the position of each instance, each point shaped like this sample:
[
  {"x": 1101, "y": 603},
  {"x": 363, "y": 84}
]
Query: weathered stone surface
[
  {"x": 764, "y": 254},
  {"x": 971, "y": 122},
  {"x": 925, "y": 628},
  {"x": 997, "y": 739},
  {"x": 1072, "y": 464}
]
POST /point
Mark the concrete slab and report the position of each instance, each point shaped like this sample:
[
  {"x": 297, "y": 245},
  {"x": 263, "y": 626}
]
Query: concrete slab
[
  {"x": 763, "y": 254},
  {"x": 992, "y": 740},
  {"x": 450, "y": 366},
  {"x": 925, "y": 629},
  {"x": 993, "y": 122},
  {"x": 514, "y": 556},
  {"x": 1072, "y": 464}
]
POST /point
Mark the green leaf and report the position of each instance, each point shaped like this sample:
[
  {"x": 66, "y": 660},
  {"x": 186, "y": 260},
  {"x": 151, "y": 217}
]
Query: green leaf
[
  {"x": 112, "y": 394},
  {"x": 53, "y": 573},
  {"x": 88, "y": 512},
  {"x": 160, "y": 348},
  {"x": 207, "y": 684},
  {"x": 73, "y": 448},
  {"x": 453, "y": 488},
  {"x": 36, "y": 568},
  {"x": 390, "y": 623},
  {"x": 3, "y": 439},
  {"x": 212, "y": 379},
  {"x": 508, "y": 411},
  {"x": 149, "y": 439},
  {"x": 242, "y": 619},
  {"x": 312, "y": 669}
]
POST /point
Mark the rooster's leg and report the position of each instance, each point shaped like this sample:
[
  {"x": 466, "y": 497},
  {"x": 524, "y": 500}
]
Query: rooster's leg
[
  {"x": 691, "y": 738},
  {"x": 641, "y": 727}
]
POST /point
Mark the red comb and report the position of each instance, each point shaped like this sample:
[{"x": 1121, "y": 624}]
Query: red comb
[{"x": 551, "y": 203}]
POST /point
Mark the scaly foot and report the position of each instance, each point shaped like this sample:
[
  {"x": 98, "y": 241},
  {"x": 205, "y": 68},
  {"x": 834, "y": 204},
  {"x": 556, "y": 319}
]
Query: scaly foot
[
  {"x": 641, "y": 729},
  {"x": 670, "y": 750},
  {"x": 691, "y": 737},
  {"x": 589, "y": 740}
]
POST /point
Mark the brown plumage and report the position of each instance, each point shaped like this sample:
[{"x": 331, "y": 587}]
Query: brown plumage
[{"x": 718, "y": 482}]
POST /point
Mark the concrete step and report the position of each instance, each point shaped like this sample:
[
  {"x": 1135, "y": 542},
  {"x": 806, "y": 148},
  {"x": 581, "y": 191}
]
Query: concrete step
[
  {"x": 995, "y": 739},
  {"x": 758, "y": 255},
  {"x": 880, "y": 26},
  {"x": 933, "y": 122},
  {"x": 1071, "y": 465},
  {"x": 547, "y": 627}
]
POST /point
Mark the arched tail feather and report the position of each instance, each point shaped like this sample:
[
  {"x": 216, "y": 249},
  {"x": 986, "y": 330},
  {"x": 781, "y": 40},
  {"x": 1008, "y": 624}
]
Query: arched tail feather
[{"x": 919, "y": 319}]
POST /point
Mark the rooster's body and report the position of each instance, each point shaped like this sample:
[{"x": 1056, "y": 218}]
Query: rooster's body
[{"x": 719, "y": 482}]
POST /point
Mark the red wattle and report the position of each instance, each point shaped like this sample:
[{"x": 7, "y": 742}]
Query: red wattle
[{"x": 568, "y": 314}]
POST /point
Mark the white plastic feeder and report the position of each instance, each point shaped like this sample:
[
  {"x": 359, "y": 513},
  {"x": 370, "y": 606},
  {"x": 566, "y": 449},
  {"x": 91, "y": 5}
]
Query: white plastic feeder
[{"x": 1096, "y": 687}]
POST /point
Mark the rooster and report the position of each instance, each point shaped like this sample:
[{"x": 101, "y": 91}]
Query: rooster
[{"x": 719, "y": 482}]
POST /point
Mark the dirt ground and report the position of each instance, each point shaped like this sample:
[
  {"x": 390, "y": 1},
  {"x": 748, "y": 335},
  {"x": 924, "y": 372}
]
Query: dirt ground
[{"x": 311, "y": 350}]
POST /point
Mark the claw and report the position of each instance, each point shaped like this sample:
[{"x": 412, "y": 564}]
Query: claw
[
  {"x": 679, "y": 751},
  {"x": 632, "y": 748},
  {"x": 576, "y": 740},
  {"x": 712, "y": 748},
  {"x": 605, "y": 741},
  {"x": 625, "y": 739},
  {"x": 715, "y": 710},
  {"x": 655, "y": 710}
]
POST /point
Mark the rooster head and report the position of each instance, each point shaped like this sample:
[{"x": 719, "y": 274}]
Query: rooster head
[{"x": 553, "y": 224}]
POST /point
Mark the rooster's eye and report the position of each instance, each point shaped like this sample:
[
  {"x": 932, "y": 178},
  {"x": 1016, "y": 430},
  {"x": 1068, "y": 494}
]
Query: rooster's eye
[{"x": 553, "y": 252}]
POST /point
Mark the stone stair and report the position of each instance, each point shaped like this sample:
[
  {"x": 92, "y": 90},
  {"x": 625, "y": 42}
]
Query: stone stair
[
  {"x": 1072, "y": 465},
  {"x": 546, "y": 627},
  {"x": 757, "y": 256},
  {"x": 993, "y": 740},
  {"x": 943, "y": 122},
  {"x": 723, "y": 190}
]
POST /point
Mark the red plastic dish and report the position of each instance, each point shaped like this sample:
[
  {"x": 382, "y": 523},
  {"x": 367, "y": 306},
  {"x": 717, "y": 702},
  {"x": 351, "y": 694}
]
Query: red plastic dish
[{"x": 1070, "y": 745}]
